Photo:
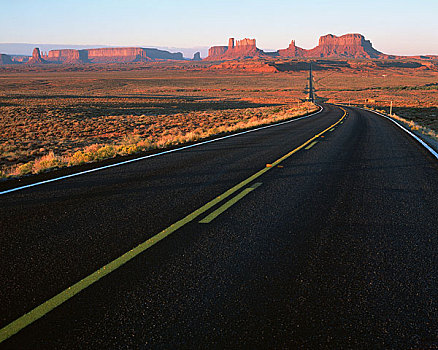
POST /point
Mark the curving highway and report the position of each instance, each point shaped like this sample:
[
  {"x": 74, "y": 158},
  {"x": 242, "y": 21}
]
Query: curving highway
[{"x": 317, "y": 233}]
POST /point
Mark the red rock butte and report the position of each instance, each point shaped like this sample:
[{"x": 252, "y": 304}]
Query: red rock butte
[
  {"x": 345, "y": 46},
  {"x": 348, "y": 45},
  {"x": 329, "y": 46},
  {"x": 101, "y": 55},
  {"x": 245, "y": 48},
  {"x": 109, "y": 55},
  {"x": 36, "y": 57}
]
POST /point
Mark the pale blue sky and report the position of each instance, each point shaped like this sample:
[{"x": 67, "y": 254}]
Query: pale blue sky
[{"x": 395, "y": 27}]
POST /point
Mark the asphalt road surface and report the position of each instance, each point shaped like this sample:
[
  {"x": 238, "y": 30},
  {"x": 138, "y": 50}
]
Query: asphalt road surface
[{"x": 333, "y": 246}]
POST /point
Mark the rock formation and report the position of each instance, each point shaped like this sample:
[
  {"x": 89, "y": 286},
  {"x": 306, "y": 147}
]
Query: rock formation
[
  {"x": 216, "y": 51},
  {"x": 110, "y": 55},
  {"x": 36, "y": 57},
  {"x": 330, "y": 46},
  {"x": 19, "y": 58},
  {"x": 291, "y": 51},
  {"x": 122, "y": 54},
  {"x": 348, "y": 45},
  {"x": 67, "y": 56},
  {"x": 156, "y": 54},
  {"x": 245, "y": 48},
  {"x": 345, "y": 46},
  {"x": 5, "y": 59},
  {"x": 197, "y": 56}
]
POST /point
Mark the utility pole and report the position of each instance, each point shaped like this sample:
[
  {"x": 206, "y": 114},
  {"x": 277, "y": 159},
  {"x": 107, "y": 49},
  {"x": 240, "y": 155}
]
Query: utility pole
[
  {"x": 390, "y": 110},
  {"x": 311, "y": 95}
]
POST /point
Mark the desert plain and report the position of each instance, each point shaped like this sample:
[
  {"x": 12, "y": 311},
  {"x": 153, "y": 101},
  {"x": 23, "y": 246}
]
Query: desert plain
[{"x": 53, "y": 115}]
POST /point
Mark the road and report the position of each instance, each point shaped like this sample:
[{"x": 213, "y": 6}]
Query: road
[{"x": 333, "y": 246}]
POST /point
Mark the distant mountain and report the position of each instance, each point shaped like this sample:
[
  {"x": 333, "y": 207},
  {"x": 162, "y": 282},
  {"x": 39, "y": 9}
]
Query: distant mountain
[
  {"x": 110, "y": 54},
  {"x": 25, "y": 49},
  {"x": 94, "y": 55}
]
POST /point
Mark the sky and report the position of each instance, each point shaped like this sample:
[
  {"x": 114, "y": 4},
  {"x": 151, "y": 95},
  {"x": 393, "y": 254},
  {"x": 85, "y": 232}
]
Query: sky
[{"x": 402, "y": 27}]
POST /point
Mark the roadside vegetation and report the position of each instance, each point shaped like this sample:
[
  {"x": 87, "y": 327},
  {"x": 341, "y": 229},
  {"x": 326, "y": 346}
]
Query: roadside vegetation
[
  {"x": 424, "y": 117},
  {"x": 207, "y": 125},
  {"x": 430, "y": 136}
]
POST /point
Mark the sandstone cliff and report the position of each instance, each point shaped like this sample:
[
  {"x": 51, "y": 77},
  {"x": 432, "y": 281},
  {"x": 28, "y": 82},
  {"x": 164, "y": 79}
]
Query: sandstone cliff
[
  {"x": 245, "y": 48},
  {"x": 67, "y": 56},
  {"x": 120, "y": 54},
  {"x": 216, "y": 51},
  {"x": 291, "y": 51},
  {"x": 111, "y": 55},
  {"x": 36, "y": 57},
  {"x": 345, "y": 46},
  {"x": 19, "y": 58},
  {"x": 348, "y": 45}
]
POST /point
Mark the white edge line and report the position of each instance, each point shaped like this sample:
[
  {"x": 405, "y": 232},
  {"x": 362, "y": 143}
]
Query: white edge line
[
  {"x": 422, "y": 142},
  {"x": 156, "y": 154}
]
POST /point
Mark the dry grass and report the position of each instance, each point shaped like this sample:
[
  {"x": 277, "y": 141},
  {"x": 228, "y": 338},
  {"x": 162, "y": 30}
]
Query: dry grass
[
  {"x": 412, "y": 125},
  {"x": 231, "y": 121}
]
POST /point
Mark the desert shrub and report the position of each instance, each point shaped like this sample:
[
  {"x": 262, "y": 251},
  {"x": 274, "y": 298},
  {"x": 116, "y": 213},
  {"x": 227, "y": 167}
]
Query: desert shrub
[
  {"x": 131, "y": 139},
  {"x": 107, "y": 151},
  {"x": 223, "y": 122},
  {"x": 146, "y": 145},
  {"x": 128, "y": 149},
  {"x": 162, "y": 141},
  {"x": 92, "y": 148},
  {"x": 22, "y": 169},
  {"x": 79, "y": 157},
  {"x": 48, "y": 161}
]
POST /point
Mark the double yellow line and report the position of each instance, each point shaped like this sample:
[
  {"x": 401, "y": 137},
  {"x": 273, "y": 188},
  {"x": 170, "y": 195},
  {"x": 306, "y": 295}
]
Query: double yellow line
[
  {"x": 41, "y": 310},
  {"x": 230, "y": 203}
]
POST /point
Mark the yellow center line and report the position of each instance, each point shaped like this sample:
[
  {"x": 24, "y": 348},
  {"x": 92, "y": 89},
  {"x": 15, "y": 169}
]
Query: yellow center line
[
  {"x": 43, "y": 309},
  {"x": 228, "y": 204},
  {"x": 311, "y": 145}
]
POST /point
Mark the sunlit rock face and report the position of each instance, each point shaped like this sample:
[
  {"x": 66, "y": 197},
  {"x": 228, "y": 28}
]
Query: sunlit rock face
[
  {"x": 36, "y": 57},
  {"x": 110, "y": 55},
  {"x": 345, "y": 46}
]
